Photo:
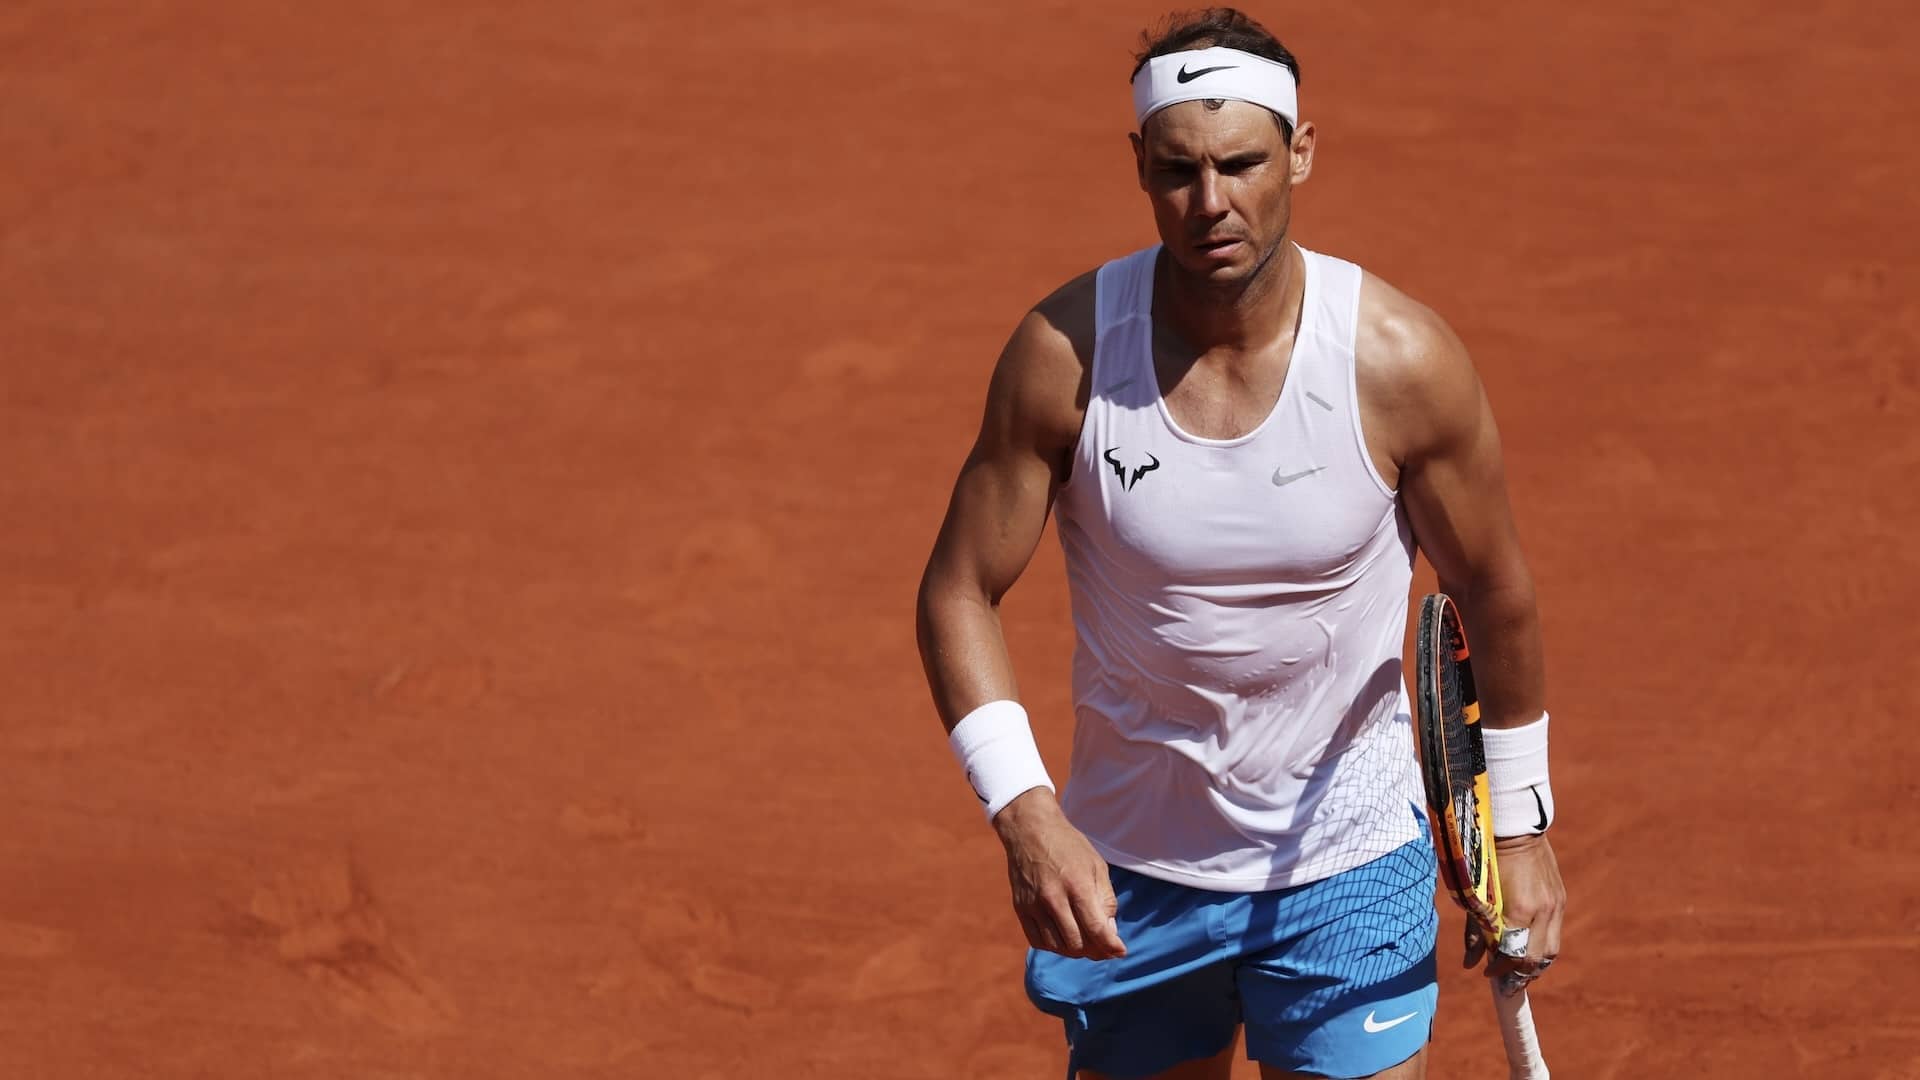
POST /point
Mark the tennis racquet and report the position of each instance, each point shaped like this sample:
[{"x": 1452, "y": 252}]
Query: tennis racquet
[{"x": 1454, "y": 765}]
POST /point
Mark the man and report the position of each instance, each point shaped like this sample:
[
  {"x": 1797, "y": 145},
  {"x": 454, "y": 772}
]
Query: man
[{"x": 1244, "y": 442}]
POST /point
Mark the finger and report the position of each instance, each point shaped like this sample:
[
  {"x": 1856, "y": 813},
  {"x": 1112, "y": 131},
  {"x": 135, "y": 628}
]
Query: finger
[
  {"x": 1509, "y": 957},
  {"x": 1550, "y": 943},
  {"x": 1110, "y": 905},
  {"x": 1476, "y": 946},
  {"x": 1030, "y": 928},
  {"x": 1511, "y": 982},
  {"x": 1525, "y": 956},
  {"x": 1046, "y": 938},
  {"x": 1098, "y": 928},
  {"x": 1059, "y": 910},
  {"x": 1508, "y": 969},
  {"x": 1547, "y": 943},
  {"x": 1103, "y": 892},
  {"x": 1038, "y": 927}
]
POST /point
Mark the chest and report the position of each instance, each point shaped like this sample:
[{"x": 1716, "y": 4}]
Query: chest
[
  {"x": 1224, "y": 399},
  {"x": 1289, "y": 501}
]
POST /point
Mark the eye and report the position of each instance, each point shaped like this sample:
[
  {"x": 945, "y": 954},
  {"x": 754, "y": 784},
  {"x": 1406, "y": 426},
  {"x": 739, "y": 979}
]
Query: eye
[{"x": 1235, "y": 167}]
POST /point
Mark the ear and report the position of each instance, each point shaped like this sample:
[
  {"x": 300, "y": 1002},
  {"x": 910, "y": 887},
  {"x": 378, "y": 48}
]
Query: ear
[
  {"x": 1300, "y": 154},
  {"x": 1139, "y": 158}
]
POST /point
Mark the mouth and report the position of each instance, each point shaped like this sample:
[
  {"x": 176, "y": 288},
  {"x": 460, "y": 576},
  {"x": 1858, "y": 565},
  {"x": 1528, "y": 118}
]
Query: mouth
[{"x": 1218, "y": 248}]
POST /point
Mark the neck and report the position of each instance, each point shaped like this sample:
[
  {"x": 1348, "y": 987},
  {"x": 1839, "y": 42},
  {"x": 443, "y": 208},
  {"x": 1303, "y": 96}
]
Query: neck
[{"x": 1240, "y": 315}]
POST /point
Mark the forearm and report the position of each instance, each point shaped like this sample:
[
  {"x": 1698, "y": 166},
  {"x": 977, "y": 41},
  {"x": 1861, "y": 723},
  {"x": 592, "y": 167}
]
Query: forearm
[
  {"x": 962, "y": 649},
  {"x": 965, "y": 656},
  {"x": 1502, "y": 621}
]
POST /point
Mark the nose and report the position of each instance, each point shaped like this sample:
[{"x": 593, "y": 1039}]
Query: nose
[{"x": 1209, "y": 196}]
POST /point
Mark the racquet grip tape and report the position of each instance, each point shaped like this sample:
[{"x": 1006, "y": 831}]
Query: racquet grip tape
[{"x": 1516, "y": 1031}]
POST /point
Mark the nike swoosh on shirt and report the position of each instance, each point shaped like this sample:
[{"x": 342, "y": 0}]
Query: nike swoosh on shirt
[
  {"x": 1281, "y": 479},
  {"x": 1374, "y": 1027}
]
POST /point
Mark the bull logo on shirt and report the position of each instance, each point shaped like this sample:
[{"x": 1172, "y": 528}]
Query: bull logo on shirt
[{"x": 1126, "y": 482}]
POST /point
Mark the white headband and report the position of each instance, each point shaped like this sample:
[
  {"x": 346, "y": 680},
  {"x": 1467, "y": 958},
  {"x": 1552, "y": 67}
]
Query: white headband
[{"x": 1214, "y": 73}]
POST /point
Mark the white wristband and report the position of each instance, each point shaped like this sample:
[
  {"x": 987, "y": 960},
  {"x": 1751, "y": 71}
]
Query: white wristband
[
  {"x": 995, "y": 745},
  {"x": 1517, "y": 778}
]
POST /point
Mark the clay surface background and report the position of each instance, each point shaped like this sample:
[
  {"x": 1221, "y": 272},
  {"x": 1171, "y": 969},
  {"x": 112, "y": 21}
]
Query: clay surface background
[{"x": 464, "y": 469}]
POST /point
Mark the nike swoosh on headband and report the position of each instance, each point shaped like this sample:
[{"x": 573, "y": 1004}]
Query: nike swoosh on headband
[{"x": 1185, "y": 76}]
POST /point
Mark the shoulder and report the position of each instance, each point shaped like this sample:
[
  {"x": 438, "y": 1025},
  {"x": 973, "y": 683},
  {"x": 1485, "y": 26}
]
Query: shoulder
[
  {"x": 1412, "y": 370},
  {"x": 1040, "y": 382},
  {"x": 1060, "y": 328}
]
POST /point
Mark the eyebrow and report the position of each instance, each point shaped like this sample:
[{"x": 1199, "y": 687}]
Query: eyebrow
[{"x": 1242, "y": 157}]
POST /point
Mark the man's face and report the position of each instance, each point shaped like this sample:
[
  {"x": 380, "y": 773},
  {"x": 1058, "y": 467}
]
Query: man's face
[{"x": 1221, "y": 184}]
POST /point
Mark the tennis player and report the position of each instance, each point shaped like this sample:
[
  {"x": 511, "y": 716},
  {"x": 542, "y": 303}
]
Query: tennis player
[{"x": 1244, "y": 443}]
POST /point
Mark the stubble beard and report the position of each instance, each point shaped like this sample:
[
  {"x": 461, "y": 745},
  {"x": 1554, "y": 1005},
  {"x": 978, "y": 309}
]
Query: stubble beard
[{"x": 1229, "y": 291}]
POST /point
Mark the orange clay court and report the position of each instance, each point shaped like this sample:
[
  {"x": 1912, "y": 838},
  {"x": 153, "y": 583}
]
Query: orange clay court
[{"x": 466, "y": 466}]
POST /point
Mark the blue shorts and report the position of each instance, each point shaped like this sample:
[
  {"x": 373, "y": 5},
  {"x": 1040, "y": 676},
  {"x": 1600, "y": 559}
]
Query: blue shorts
[{"x": 1334, "y": 978}]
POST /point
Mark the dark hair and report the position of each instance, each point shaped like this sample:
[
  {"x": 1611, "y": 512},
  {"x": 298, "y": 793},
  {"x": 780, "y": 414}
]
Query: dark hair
[{"x": 1223, "y": 27}]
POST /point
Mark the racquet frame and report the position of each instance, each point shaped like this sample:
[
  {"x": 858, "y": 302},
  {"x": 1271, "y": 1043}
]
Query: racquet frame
[{"x": 1453, "y": 769}]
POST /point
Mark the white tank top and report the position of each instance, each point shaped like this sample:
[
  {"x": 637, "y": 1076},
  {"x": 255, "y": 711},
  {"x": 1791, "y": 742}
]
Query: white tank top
[{"x": 1240, "y": 606}]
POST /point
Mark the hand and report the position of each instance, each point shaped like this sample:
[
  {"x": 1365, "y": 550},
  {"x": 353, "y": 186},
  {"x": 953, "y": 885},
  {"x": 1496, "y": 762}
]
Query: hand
[
  {"x": 1533, "y": 898},
  {"x": 1061, "y": 891}
]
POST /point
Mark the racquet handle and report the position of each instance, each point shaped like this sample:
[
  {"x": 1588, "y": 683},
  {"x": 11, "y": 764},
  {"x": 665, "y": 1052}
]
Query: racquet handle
[{"x": 1516, "y": 1030}]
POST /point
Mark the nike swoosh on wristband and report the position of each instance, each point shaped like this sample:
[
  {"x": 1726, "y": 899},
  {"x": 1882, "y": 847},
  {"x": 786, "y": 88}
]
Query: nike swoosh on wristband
[
  {"x": 1375, "y": 1027},
  {"x": 1540, "y": 806},
  {"x": 1185, "y": 76}
]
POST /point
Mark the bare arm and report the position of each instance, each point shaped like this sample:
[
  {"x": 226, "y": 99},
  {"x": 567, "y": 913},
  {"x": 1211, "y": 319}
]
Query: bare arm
[
  {"x": 1061, "y": 892},
  {"x": 999, "y": 507},
  {"x": 1453, "y": 485}
]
